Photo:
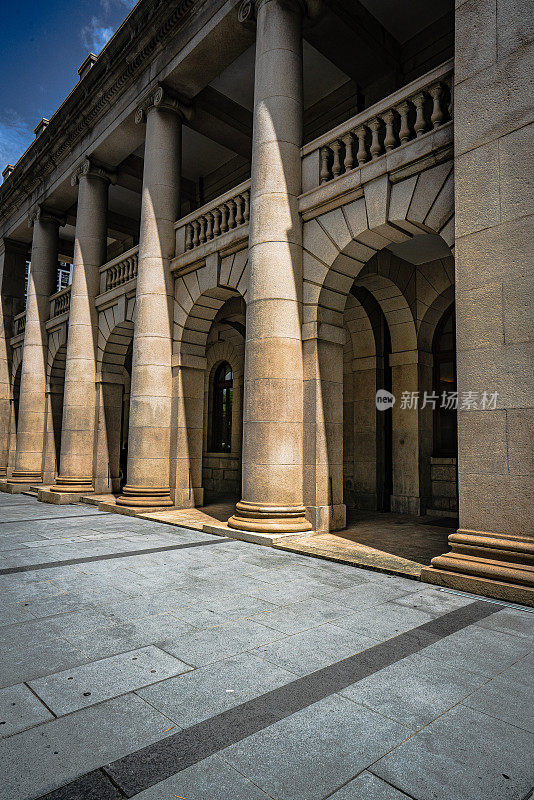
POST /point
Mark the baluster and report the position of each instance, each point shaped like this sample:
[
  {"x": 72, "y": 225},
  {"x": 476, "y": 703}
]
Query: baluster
[
  {"x": 390, "y": 140},
  {"x": 196, "y": 231},
  {"x": 246, "y": 210},
  {"x": 336, "y": 164},
  {"x": 437, "y": 112},
  {"x": 209, "y": 226},
  {"x": 216, "y": 222},
  {"x": 361, "y": 155},
  {"x": 376, "y": 147},
  {"x": 324, "y": 174},
  {"x": 420, "y": 125},
  {"x": 450, "y": 103},
  {"x": 224, "y": 218},
  {"x": 203, "y": 224},
  {"x": 231, "y": 214},
  {"x": 239, "y": 207},
  {"x": 188, "y": 236},
  {"x": 405, "y": 133},
  {"x": 348, "y": 141},
  {"x": 136, "y": 264}
]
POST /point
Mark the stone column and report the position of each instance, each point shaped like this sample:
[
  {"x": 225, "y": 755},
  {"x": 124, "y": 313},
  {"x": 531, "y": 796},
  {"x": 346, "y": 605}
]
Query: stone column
[
  {"x": 273, "y": 396},
  {"x": 12, "y": 272},
  {"x": 32, "y": 406},
  {"x": 148, "y": 472},
  {"x": 78, "y": 427}
]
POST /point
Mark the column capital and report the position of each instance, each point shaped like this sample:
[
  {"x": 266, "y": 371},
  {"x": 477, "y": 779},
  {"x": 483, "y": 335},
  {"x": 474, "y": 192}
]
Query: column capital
[
  {"x": 249, "y": 8},
  {"x": 44, "y": 214},
  {"x": 163, "y": 98},
  {"x": 90, "y": 167}
]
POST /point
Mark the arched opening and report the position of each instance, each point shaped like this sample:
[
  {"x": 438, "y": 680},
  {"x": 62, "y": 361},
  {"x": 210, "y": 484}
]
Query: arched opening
[
  {"x": 220, "y": 403},
  {"x": 223, "y": 404},
  {"x": 444, "y": 386},
  {"x": 57, "y": 390},
  {"x": 116, "y": 374},
  {"x": 16, "y": 394}
]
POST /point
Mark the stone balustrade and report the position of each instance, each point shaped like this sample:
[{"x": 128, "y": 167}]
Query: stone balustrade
[
  {"x": 228, "y": 212},
  {"x": 418, "y": 108},
  {"x": 60, "y": 303},
  {"x": 19, "y": 324},
  {"x": 120, "y": 270}
]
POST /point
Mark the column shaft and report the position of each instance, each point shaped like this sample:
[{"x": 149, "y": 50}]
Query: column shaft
[
  {"x": 148, "y": 473},
  {"x": 77, "y": 436},
  {"x": 273, "y": 395},
  {"x": 32, "y": 405}
]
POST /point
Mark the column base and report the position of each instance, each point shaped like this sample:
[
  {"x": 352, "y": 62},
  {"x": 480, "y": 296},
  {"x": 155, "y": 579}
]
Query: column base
[
  {"x": 75, "y": 485},
  {"x": 145, "y": 497},
  {"x": 494, "y": 565},
  {"x": 19, "y": 476},
  {"x": 263, "y": 518}
]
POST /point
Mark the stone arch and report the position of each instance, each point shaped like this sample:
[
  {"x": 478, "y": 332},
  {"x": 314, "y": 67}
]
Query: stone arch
[
  {"x": 200, "y": 294},
  {"x": 432, "y": 317},
  {"x": 199, "y": 297},
  {"x": 114, "y": 371},
  {"x": 110, "y": 321},
  {"x": 339, "y": 243},
  {"x": 56, "y": 339}
]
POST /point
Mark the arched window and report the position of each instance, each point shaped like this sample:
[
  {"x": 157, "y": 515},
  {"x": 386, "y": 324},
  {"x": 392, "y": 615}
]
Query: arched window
[
  {"x": 445, "y": 418},
  {"x": 221, "y": 429}
]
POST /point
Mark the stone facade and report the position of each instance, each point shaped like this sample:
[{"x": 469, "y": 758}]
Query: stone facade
[{"x": 267, "y": 229}]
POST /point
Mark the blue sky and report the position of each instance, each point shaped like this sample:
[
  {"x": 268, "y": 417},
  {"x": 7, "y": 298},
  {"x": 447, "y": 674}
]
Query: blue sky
[{"x": 42, "y": 44}]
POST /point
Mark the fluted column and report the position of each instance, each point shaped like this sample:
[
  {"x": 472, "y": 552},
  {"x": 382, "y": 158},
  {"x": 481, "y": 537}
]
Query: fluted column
[
  {"x": 273, "y": 396},
  {"x": 148, "y": 472},
  {"x": 32, "y": 404},
  {"x": 78, "y": 427}
]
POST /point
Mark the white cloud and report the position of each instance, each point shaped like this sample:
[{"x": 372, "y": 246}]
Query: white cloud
[
  {"x": 15, "y": 136},
  {"x": 95, "y": 35}
]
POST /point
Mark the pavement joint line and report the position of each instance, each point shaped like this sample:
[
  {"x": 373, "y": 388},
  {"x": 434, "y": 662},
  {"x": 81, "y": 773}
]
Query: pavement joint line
[
  {"x": 156, "y": 762},
  {"x": 48, "y": 519},
  {"x": 107, "y": 556}
]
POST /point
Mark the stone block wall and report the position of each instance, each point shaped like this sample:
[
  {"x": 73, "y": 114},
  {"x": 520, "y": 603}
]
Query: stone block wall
[{"x": 494, "y": 142}]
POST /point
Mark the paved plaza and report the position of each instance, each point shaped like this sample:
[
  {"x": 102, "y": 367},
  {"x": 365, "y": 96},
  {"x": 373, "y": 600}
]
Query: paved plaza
[{"x": 143, "y": 660}]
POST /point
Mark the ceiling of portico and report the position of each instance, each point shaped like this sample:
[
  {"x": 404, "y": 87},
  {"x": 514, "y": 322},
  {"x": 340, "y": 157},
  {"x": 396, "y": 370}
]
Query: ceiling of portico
[
  {"x": 421, "y": 249},
  {"x": 405, "y": 19},
  {"x": 320, "y": 77}
]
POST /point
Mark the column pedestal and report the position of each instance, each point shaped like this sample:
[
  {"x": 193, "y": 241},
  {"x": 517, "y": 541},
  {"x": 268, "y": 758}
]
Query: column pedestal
[{"x": 490, "y": 564}]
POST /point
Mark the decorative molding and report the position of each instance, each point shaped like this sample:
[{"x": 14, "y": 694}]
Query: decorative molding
[
  {"x": 163, "y": 98},
  {"x": 131, "y": 48},
  {"x": 90, "y": 167}
]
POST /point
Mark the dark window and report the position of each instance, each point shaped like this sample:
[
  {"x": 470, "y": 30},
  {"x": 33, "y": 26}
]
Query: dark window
[
  {"x": 221, "y": 431},
  {"x": 445, "y": 416}
]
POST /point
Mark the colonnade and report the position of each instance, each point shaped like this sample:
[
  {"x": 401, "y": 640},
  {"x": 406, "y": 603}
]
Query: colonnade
[{"x": 273, "y": 405}]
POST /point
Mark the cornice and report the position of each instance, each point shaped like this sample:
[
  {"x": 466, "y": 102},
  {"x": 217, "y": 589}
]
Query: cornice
[{"x": 148, "y": 27}]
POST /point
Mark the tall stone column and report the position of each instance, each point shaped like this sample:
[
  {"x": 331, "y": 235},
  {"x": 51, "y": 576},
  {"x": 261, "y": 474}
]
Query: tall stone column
[
  {"x": 12, "y": 272},
  {"x": 148, "y": 472},
  {"x": 273, "y": 396},
  {"x": 78, "y": 427},
  {"x": 32, "y": 405}
]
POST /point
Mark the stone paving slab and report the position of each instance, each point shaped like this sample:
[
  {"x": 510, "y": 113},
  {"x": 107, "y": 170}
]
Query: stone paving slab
[
  {"x": 296, "y": 768},
  {"x": 463, "y": 755},
  {"x": 92, "y": 683},
  {"x": 43, "y": 758},
  {"x": 368, "y": 787},
  {"x": 20, "y": 709}
]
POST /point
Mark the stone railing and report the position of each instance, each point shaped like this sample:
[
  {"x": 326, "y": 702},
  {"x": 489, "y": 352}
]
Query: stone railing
[
  {"x": 421, "y": 106},
  {"x": 120, "y": 270},
  {"x": 225, "y": 214},
  {"x": 19, "y": 324},
  {"x": 60, "y": 302}
]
